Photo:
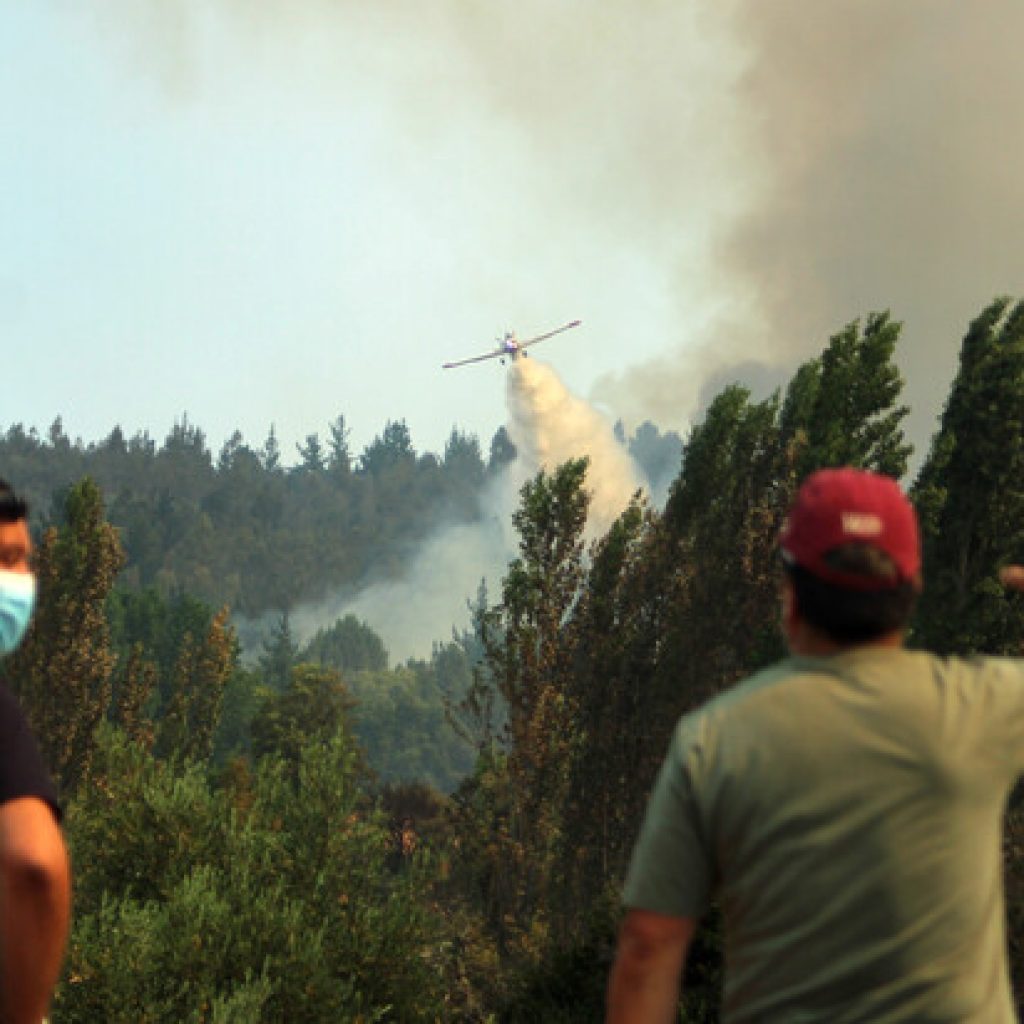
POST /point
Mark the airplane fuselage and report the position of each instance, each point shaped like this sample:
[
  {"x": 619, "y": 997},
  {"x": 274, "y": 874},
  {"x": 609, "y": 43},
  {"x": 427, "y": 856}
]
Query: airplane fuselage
[{"x": 509, "y": 345}]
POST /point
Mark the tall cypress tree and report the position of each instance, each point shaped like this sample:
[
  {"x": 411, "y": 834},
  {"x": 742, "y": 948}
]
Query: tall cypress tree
[
  {"x": 62, "y": 673},
  {"x": 509, "y": 814},
  {"x": 971, "y": 493},
  {"x": 200, "y": 679},
  {"x": 844, "y": 403}
]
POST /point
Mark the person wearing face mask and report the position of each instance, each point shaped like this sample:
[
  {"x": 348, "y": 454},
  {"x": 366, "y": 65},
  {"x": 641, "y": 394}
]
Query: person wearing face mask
[{"x": 35, "y": 877}]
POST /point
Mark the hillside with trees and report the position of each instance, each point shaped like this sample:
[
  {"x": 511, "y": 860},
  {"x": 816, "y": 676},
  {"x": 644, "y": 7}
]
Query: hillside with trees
[
  {"x": 244, "y": 529},
  {"x": 240, "y": 853}
]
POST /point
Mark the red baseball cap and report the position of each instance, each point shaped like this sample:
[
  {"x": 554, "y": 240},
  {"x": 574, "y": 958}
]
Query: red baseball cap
[{"x": 851, "y": 506}]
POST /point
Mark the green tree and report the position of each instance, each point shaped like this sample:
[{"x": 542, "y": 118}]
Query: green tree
[
  {"x": 845, "y": 402},
  {"x": 184, "y": 458},
  {"x": 312, "y": 455},
  {"x": 723, "y": 517},
  {"x": 615, "y": 624},
  {"x": 401, "y": 721},
  {"x": 201, "y": 676},
  {"x": 159, "y": 626},
  {"x": 270, "y": 454},
  {"x": 390, "y": 449},
  {"x": 502, "y": 451},
  {"x": 269, "y": 903},
  {"x": 242, "y": 698},
  {"x": 348, "y": 645},
  {"x": 508, "y": 813},
  {"x": 339, "y": 457},
  {"x": 134, "y": 686},
  {"x": 971, "y": 493},
  {"x": 462, "y": 458},
  {"x": 280, "y": 653},
  {"x": 316, "y": 706},
  {"x": 62, "y": 673}
]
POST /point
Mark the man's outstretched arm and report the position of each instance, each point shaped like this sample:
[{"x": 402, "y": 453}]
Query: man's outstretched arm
[
  {"x": 35, "y": 908},
  {"x": 645, "y": 980}
]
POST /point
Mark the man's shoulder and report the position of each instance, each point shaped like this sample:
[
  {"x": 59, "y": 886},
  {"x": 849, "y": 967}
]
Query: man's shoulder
[
  {"x": 699, "y": 725},
  {"x": 899, "y": 676},
  {"x": 763, "y": 682}
]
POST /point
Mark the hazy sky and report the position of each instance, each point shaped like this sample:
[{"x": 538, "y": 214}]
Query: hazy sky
[{"x": 276, "y": 217}]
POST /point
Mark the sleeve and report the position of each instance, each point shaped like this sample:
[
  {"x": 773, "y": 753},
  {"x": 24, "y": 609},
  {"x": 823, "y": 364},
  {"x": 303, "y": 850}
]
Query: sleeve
[
  {"x": 990, "y": 709},
  {"x": 22, "y": 771},
  {"x": 671, "y": 870}
]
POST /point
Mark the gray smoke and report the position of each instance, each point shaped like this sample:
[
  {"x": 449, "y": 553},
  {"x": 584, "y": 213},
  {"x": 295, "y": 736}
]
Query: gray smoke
[{"x": 887, "y": 141}]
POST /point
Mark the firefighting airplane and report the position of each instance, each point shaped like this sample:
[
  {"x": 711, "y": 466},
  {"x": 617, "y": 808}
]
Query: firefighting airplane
[{"x": 511, "y": 347}]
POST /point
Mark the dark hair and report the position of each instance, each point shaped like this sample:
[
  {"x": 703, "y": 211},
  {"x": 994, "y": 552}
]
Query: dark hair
[
  {"x": 847, "y": 615},
  {"x": 12, "y": 508}
]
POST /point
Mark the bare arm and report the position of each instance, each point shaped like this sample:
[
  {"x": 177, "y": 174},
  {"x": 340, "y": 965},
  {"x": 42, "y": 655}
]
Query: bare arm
[
  {"x": 1012, "y": 576},
  {"x": 35, "y": 907},
  {"x": 645, "y": 980}
]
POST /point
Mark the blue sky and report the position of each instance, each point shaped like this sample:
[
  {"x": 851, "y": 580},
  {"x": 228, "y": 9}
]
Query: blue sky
[{"x": 276, "y": 213}]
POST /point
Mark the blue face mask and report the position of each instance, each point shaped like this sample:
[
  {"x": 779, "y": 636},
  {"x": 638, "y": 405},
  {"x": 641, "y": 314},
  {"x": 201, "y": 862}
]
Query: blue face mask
[{"x": 17, "y": 599}]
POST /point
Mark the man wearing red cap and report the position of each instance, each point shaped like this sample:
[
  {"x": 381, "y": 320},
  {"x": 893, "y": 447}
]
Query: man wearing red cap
[{"x": 844, "y": 806}]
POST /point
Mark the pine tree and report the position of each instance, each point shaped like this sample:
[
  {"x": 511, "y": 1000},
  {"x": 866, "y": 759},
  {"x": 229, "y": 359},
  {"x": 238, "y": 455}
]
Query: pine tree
[
  {"x": 339, "y": 458},
  {"x": 392, "y": 448},
  {"x": 502, "y": 451},
  {"x": 270, "y": 454},
  {"x": 280, "y": 653},
  {"x": 312, "y": 454}
]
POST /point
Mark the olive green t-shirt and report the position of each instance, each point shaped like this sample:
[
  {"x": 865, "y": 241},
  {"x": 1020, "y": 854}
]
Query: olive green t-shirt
[{"x": 846, "y": 813}]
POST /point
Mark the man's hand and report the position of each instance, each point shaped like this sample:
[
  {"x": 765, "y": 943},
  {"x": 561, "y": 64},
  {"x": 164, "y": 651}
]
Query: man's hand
[
  {"x": 644, "y": 983},
  {"x": 1012, "y": 576}
]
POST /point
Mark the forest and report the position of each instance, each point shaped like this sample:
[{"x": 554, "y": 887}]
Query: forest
[{"x": 317, "y": 836}]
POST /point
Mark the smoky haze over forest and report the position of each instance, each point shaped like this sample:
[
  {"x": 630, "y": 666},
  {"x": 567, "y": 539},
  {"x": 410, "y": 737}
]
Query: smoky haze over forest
[
  {"x": 714, "y": 192},
  {"x": 548, "y": 426}
]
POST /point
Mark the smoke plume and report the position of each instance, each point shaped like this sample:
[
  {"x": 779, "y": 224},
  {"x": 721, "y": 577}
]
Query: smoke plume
[
  {"x": 548, "y": 425},
  {"x": 885, "y": 141}
]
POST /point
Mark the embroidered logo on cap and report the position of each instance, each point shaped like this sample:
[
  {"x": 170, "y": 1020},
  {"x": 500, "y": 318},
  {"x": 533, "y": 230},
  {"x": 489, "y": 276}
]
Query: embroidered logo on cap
[{"x": 862, "y": 524}]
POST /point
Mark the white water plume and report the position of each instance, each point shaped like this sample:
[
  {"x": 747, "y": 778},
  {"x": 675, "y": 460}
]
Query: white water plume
[{"x": 548, "y": 426}]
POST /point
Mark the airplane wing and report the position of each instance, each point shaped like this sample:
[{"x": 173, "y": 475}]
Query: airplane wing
[
  {"x": 473, "y": 359},
  {"x": 557, "y": 330}
]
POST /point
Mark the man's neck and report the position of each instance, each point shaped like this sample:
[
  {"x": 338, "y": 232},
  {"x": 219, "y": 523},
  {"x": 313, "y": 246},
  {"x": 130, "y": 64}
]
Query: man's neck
[{"x": 812, "y": 643}]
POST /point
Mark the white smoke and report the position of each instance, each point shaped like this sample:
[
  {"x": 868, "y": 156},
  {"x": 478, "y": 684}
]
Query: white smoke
[
  {"x": 548, "y": 426},
  {"x": 432, "y": 599}
]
